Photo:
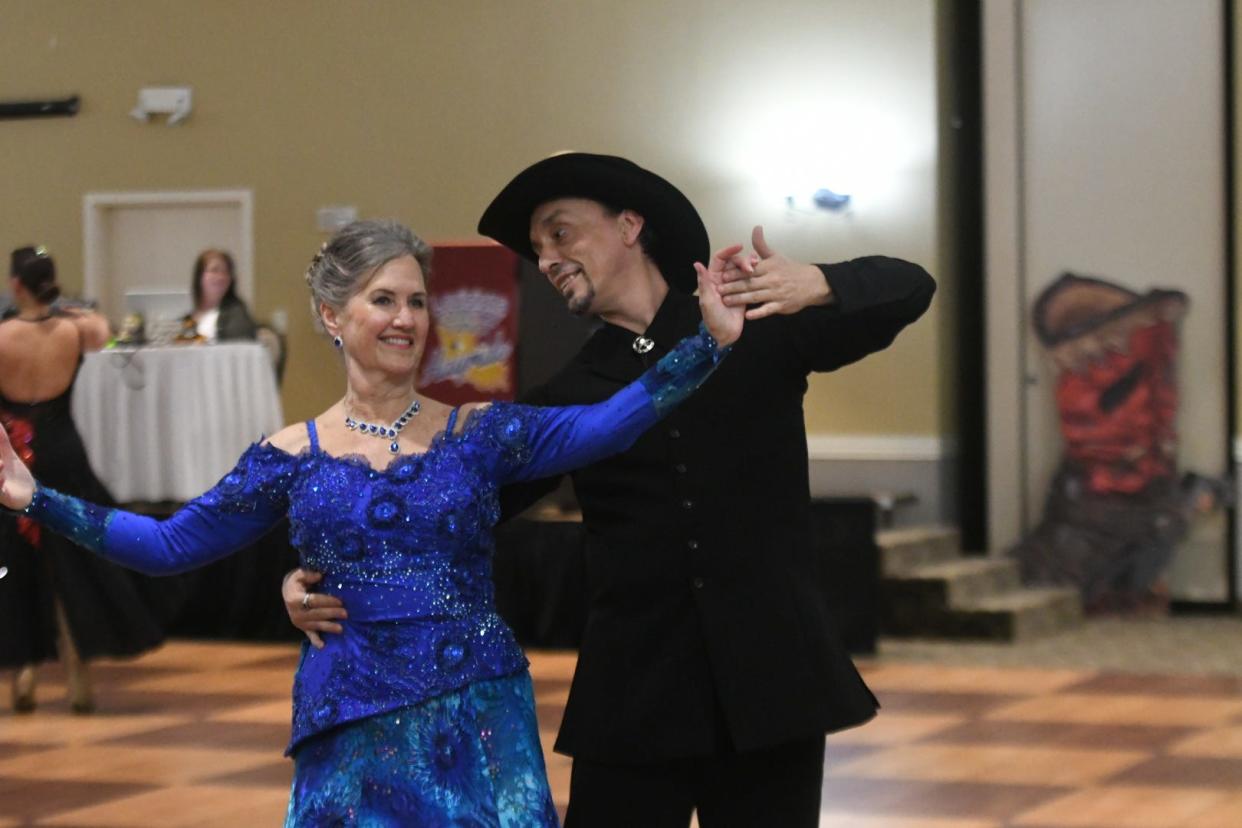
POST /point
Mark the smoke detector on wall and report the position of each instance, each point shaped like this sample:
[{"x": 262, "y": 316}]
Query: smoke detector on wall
[{"x": 173, "y": 101}]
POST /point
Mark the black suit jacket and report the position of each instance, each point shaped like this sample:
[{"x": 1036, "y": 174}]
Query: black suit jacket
[{"x": 705, "y": 611}]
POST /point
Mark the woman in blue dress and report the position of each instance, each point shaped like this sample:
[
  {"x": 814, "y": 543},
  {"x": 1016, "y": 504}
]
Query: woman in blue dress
[{"x": 421, "y": 712}]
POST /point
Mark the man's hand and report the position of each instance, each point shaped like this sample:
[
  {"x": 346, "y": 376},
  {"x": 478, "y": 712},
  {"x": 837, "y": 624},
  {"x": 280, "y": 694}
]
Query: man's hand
[
  {"x": 723, "y": 322},
  {"x": 311, "y": 612},
  {"x": 775, "y": 283}
]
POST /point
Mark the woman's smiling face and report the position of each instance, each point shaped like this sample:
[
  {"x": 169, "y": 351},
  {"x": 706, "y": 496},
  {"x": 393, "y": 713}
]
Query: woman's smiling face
[{"x": 384, "y": 325}]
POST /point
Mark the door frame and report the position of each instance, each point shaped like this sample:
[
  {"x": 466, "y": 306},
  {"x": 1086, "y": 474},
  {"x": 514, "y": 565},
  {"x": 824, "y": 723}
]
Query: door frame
[{"x": 94, "y": 229}]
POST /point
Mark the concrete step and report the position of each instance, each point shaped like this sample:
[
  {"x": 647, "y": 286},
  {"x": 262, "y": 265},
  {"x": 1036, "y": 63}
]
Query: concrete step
[
  {"x": 954, "y": 582},
  {"x": 902, "y": 550},
  {"x": 929, "y": 589},
  {"x": 1027, "y": 612},
  {"x": 1014, "y": 615}
]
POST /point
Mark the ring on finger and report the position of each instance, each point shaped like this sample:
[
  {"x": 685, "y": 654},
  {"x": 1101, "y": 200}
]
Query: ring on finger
[{"x": 306, "y": 601}]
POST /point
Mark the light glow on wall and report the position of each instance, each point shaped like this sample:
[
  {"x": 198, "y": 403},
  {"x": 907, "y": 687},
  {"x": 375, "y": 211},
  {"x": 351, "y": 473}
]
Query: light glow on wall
[{"x": 797, "y": 145}]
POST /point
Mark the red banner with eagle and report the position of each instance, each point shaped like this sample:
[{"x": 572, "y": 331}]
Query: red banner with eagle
[{"x": 471, "y": 348}]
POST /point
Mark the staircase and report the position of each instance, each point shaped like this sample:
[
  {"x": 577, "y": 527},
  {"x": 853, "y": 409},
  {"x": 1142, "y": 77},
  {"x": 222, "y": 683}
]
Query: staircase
[{"x": 929, "y": 589}]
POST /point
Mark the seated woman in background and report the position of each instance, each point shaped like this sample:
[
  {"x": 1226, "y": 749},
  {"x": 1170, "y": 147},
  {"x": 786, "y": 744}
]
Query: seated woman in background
[
  {"x": 56, "y": 598},
  {"x": 219, "y": 314}
]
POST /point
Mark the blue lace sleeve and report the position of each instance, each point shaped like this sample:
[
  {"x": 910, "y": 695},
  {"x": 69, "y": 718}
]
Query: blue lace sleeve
[
  {"x": 546, "y": 441},
  {"x": 246, "y": 503},
  {"x": 682, "y": 370}
]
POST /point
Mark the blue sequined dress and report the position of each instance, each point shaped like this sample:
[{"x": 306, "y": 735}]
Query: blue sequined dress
[{"x": 421, "y": 712}]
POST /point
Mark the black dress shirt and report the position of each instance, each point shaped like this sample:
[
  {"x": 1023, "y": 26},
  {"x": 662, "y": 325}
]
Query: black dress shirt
[{"x": 707, "y": 629}]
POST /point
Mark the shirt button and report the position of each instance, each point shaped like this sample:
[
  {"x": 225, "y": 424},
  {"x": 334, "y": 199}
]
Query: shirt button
[
  {"x": 674, "y": 433},
  {"x": 692, "y": 544},
  {"x": 687, "y": 504},
  {"x": 698, "y": 583},
  {"x": 680, "y": 468}
]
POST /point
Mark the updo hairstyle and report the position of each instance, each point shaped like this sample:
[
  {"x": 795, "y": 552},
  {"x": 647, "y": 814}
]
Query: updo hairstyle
[
  {"x": 350, "y": 258},
  {"x": 36, "y": 272}
]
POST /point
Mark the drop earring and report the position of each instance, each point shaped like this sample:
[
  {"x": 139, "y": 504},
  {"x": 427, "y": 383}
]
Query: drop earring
[{"x": 336, "y": 342}]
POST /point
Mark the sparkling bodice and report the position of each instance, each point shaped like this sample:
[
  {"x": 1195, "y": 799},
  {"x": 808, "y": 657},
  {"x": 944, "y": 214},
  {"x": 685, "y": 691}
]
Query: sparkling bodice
[
  {"x": 408, "y": 550},
  {"x": 425, "y": 521}
]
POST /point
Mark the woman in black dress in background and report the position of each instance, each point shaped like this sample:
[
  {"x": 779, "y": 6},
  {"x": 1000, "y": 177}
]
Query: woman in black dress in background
[{"x": 55, "y": 598}]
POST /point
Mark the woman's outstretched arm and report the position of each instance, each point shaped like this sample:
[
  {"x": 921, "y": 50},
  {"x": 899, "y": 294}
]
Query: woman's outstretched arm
[{"x": 239, "y": 510}]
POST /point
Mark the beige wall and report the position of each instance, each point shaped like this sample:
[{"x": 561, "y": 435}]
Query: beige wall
[{"x": 422, "y": 110}]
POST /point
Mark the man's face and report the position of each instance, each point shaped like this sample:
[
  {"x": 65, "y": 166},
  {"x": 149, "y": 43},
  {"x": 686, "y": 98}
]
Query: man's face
[{"x": 580, "y": 246}]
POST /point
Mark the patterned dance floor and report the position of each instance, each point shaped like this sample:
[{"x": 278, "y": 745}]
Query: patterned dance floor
[{"x": 191, "y": 735}]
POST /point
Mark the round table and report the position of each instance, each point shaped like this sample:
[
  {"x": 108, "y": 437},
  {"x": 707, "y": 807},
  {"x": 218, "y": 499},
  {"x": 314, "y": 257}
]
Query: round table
[{"x": 166, "y": 423}]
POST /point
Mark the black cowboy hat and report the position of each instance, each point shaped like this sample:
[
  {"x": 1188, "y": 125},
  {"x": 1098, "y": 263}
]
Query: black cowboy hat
[{"x": 678, "y": 237}]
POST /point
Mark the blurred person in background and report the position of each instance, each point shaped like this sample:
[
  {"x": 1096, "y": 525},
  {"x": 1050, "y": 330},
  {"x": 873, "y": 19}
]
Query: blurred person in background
[
  {"x": 56, "y": 599},
  {"x": 219, "y": 313}
]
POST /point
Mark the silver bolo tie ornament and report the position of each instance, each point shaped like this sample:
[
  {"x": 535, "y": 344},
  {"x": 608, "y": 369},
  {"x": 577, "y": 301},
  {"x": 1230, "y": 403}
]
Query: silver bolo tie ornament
[{"x": 642, "y": 344}]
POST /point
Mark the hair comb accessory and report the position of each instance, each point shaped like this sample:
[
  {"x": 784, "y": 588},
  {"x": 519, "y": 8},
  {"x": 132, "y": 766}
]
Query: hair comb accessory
[{"x": 314, "y": 262}]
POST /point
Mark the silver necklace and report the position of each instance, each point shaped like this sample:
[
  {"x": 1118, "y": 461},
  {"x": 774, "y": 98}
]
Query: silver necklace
[{"x": 387, "y": 432}]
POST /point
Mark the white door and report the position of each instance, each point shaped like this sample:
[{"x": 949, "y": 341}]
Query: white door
[{"x": 149, "y": 241}]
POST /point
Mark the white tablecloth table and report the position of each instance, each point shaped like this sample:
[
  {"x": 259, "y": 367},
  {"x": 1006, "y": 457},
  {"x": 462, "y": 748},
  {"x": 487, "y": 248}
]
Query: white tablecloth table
[{"x": 166, "y": 423}]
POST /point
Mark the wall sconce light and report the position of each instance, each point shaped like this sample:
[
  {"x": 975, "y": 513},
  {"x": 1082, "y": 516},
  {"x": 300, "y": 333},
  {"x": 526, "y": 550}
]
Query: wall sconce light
[{"x": 173, "y": 101}]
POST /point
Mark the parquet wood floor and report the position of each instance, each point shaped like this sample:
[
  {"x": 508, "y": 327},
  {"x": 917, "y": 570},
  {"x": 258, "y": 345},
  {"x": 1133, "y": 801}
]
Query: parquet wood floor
[{"x": 192, "y": 734}]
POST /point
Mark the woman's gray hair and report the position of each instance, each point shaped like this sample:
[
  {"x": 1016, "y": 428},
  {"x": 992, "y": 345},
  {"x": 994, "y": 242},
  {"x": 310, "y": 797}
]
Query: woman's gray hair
[{"x": 348, "y": 260}]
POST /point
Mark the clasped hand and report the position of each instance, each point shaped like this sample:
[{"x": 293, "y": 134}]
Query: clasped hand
[
  {"x": 770, "y": 282},
  {"x": 724, "y": 323}
]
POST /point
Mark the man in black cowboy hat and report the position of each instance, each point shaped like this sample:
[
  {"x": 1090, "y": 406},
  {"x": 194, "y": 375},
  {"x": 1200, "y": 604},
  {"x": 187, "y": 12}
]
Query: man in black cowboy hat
[{"x": 708, "y": 671}]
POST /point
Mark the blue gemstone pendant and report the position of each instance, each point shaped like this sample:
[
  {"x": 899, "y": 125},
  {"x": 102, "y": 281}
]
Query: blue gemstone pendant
[{"x": 391, "y": 432}]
